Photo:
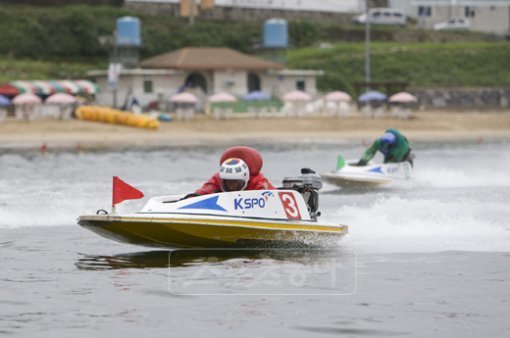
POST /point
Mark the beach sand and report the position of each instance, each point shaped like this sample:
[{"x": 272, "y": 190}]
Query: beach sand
[{"x": 205, "y": 131}]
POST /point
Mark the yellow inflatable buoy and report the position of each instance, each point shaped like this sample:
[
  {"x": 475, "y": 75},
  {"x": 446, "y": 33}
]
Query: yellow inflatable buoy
[{"x": 114, "y": 116}]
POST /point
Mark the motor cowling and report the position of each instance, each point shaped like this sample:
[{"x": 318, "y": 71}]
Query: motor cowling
[{"x": 308, "y": 185}]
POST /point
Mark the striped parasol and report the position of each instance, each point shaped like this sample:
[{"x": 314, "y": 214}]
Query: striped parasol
[{"x": 45, "y": 88}]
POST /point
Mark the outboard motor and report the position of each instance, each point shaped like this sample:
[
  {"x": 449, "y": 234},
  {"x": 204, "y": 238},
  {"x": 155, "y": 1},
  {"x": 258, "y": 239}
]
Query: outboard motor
[{"x": 308, "y": 185}]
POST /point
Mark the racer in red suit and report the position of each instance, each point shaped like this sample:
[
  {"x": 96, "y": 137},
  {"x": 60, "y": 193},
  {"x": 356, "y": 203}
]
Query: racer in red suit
[
  {"x": 240, "y": 170},
  {"x": 258, "y": 182}
]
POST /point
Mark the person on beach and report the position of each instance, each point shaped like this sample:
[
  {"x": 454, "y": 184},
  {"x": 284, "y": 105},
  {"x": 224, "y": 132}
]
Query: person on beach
[
  {"x": 393, "y": 145},
  {"x": 239, "y": 170}
]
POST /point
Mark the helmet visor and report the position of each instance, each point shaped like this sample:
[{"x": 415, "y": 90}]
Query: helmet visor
[
  {"x": 232, "y": 185},
  {"x": 388, "y": 138}
]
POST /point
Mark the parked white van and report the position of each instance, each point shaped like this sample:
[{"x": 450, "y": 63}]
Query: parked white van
[
  {"x": 453, "y": 24},
  {"x": 383, "y": 16}
]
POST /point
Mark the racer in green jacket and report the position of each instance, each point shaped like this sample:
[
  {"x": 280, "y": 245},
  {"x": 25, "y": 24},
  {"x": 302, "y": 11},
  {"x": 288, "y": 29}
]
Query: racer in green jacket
[{"x": 394, "y": 147}]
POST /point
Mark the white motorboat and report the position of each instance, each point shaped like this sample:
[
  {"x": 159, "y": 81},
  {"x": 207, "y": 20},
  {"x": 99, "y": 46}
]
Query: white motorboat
[
  {"x": 283, "y": 217},
  {"x": 349, "y": 173}
]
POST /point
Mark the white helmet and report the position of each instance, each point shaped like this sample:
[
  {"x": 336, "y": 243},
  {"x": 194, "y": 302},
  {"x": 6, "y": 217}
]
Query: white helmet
[{"x": 234, "y": 174}]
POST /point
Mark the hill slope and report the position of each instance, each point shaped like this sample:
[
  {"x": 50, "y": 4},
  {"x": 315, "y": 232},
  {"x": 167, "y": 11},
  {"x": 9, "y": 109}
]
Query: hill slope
[{"x": 64, "y": 42}]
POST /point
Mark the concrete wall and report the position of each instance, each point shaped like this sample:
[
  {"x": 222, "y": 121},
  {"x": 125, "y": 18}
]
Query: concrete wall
[
  {"x": 281, "y": 84},
  {"x": 233, "y": 82},
  {"x": 238, "y": 13},
  {"x": 464, "y": 97},
  {"x": 404, "y": 5},
  {"x": 488, "y": 19},
  {"x": 491, "y": 19},
  {"x": 163, "y": 87}
]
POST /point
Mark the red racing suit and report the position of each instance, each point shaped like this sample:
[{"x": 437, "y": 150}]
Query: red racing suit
[{"x": 257, "y": 182}]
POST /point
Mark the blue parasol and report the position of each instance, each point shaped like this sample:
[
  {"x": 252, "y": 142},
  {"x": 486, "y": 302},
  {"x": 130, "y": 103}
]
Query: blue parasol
[
  {"x": 4, "y": 101},
  {"x": 372, "y": 95},
  {"x": 256, "y": 96}
]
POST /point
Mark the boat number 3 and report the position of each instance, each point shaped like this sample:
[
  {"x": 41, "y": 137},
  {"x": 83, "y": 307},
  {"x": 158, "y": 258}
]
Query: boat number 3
[{"x": 289, "y": 205}]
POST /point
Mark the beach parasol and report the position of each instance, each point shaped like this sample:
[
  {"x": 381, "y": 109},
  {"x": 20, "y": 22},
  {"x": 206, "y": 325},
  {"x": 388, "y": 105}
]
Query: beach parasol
[
  {"x": 402, "y": 97},
  {"x": 296, "y": 95},
  {"x": 184, "y": 98},
  {"x": 4, "y": 101},
  {"x": 222, "y": 97},
  {"x": 23, "y": 86},
  {"x": 68, "y": 86},
  {"x": 338, "y": 96},
  {"x": 372, "y": 95},
  {"x": 86, "y": 86},
  {"x": 60, "y": 98},
  {"x": 256, "y": 96},
  {"x": 42, "y": 87},
  {"x": 9, "y": 90},
  {"x": 27, "y": 98}
]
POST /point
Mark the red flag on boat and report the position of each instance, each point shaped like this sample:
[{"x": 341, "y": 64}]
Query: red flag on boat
[{"x": 123, "y": 191}]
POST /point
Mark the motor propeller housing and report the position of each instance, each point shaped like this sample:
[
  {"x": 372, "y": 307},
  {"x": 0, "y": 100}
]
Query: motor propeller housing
[{"x": 308, "y": 185}]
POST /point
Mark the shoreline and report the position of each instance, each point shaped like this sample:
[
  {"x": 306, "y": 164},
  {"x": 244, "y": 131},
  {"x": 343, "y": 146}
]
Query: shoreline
[{"x": 203, "y": 131}]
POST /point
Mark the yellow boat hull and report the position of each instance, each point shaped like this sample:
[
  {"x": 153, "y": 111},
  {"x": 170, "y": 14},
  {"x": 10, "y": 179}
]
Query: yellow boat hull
[{"x": 211, "y": 233}]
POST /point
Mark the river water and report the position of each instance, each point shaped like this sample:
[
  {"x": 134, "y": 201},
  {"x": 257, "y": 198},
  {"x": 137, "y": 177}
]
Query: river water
[{"x": 427, "y": 257}]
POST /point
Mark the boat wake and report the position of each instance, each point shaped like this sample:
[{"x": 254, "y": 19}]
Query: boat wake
[{"x": 429, "y": 224}]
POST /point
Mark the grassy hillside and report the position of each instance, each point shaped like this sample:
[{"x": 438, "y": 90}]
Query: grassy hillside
[
  {"x": 474, "y": 64},
  {"x": 14, "y": 69},
  {"x": 74, "y": 32},
  {"x": 421, "y": 64},
  {"x": 64, "y": 42}
]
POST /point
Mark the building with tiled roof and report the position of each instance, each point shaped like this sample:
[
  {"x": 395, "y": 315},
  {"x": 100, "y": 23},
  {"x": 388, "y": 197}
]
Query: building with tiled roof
[
  {"x": 208, "y": 59},
  {"x": 203, "y": 71}
]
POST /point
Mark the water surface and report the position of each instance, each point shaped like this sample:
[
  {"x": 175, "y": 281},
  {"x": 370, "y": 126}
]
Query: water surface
[{"x": 429, "y": 257}]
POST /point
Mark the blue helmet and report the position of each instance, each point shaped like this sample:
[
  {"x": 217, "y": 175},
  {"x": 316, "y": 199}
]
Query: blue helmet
[{"x": 388, "y": 138}]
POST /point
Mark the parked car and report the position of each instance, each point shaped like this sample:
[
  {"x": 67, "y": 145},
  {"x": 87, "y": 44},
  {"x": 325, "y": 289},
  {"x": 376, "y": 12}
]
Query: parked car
[
  {"x": 382, "y": 16},
  {"x": 453, "y": 24}
]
